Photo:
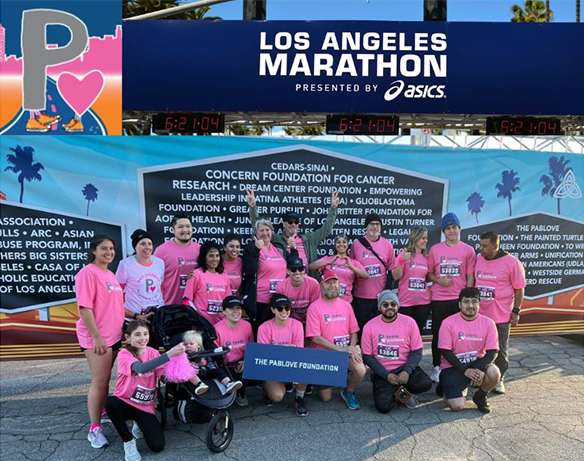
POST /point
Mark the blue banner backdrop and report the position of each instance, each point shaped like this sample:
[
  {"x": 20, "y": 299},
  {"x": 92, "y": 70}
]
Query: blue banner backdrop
[{"x": 361, "y": 67}]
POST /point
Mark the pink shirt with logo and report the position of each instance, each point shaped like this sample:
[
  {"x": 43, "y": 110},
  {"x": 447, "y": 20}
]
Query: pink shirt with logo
[
  {"x": 346, "y": 276},
  {"x": 271, "y": 272},
  {"x": 497, "y": 281},
  {"x": 234, "y": 338},
  {"x": 99, "y": 290},
  {"x": 138, "y": 390},
  {"x": 371, "y": 287},
  {"x": 391, "y": 343},
  {"x": 179, "y": 261},
  {"x": 207, "y": 291},
  {"x": 142, "y": 284},
  {"x": 234, "y": 269},
  {"x": 334, "y": 321},
  {"x": 456, "y": 262},
  {"x": 413, "y": 289},
  {"x": 468, "y": 340},
  {"x": 291, "y": 334},
  {"x": 301, "y": 297}
]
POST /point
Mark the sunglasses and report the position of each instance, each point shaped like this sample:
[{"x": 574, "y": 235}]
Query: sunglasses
[
  {"x": 388, "y": 304},
  {"x": 296, "y": 269},
  {"x": 283, "y": 308},
  {"x": 293, "y": 221}
]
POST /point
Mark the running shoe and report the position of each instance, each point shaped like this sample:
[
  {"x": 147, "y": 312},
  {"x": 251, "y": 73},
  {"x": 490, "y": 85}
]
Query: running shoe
[
  {"x": 308, "y": 389},
  {"x": 96, "y": 438},
  {"x": 266, "y": 400},
  {"x": 241, "y": 399},
  {"x": 350, "y": 399},
  {"x": 412, "y": 403},
  {"x": 289, "y": 388},
  {"x": 76, "y": 127},
  {"x": 105, "y": 418},
  {"x": 131, "y": 451},
  {"x": 435, "y": 375},
  {"x": 34, "y": 126},
  {"x": 201, "y": 388},
  {"x": 136, "y": 432},
  {"x": 480, "y": 399},
  {"x": 48, "y": 120},
  {"x": 499, "y": 388},
  {"x": 232, "y": 386},
  {"x": 300, "y": 406}
]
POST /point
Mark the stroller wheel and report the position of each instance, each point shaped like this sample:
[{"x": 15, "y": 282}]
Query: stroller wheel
[{"x": 219, "y": 432}]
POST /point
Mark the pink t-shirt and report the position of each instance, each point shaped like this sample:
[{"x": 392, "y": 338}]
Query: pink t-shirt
[
  {"x": 334, "y": 321},
  {"x": 142, "y": 283},
  {"x": 301, "y": 251},
  {"x": 371, "y": 287},
  {"x": 234, "y": 269},
  {"x": 291, "y": 334},
  {"x": 468, "y": 340},
  {"x": 100, "y": 291},
  {"x": 413, "y": 289},
  {"x": 271, "y": 272},
  {"x": 138, "y": 390},
  {"x": 234, "y": 338},
  {"x": 497, "y": 281},
  {"x": 179, "y": 261},
  {"x": 207, "y": 291},
  {"x": 301, "y": 297},
  {"x": 391, "y": 343},
  {"x": 456, "y": 262},
  {"x": 346, "y": 276}
]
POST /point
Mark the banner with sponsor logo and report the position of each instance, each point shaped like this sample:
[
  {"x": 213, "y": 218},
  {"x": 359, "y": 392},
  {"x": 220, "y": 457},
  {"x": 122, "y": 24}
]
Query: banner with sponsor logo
[
  {"x": 354, "y": 67},
  {"x": 70, "y": 188}
]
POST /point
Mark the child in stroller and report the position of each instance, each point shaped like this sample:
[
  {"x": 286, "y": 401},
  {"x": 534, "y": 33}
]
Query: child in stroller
[{"x": 205, "y": 369}]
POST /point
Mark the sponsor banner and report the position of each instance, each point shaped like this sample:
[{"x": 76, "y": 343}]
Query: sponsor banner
[
  {"x": 265, "y": 362},
  {"x": 354, "y": 67},
  {"x": 61, "y": 67}
]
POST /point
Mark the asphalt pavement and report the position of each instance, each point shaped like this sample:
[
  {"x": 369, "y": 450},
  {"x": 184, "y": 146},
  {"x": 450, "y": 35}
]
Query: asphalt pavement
[{"x": 43, "y": 417}]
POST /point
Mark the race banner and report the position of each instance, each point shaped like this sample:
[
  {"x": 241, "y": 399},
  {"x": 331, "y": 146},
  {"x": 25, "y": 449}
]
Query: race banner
[{"x": 532, "y": 199}]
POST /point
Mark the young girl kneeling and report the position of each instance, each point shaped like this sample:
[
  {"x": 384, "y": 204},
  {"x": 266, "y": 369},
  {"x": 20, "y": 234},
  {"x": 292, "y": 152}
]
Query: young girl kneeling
[{"x": 135, "y": 395}]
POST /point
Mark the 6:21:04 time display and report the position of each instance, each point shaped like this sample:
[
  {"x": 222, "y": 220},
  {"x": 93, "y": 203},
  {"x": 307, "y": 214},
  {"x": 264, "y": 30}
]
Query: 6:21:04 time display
[
  {"x": 362, "y": 124},
  {"x": 199, "y": 123}
]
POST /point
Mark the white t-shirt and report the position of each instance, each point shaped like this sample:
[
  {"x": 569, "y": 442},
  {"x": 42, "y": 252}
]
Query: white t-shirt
[{"x": 141, "y": 283}]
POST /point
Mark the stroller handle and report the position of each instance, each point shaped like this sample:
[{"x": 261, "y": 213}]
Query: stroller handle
[{"x": 217, "y": 352}]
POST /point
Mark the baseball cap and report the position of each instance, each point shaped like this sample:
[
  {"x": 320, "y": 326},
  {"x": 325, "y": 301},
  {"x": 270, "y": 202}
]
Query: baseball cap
[
  {"x": 295, "y": 263},
  {"x": 278, "y": 300},
  {"x": 290, "y": 215},
  {"x": 232, "y": 301},
  {"x": 329, "y": 274}
]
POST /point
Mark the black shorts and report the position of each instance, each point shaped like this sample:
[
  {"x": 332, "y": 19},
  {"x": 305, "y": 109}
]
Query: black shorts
[
  {"x": 453, "y": 382},
  {"x": 115, "y": 347}
]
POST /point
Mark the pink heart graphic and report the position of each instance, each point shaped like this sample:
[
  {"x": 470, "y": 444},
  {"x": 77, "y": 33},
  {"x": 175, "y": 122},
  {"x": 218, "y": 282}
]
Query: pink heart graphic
[
  {"x": 80, "y": 93},
  {"x": 152, "y": 288}
]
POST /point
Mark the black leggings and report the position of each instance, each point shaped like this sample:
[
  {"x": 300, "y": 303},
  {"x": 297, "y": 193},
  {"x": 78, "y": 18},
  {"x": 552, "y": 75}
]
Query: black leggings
[
  {"x": 365, "y": 310},
  {"x": 263, "y": 313},
  {"x": 418, "y": 313},
  {"x": 384, "y": 393},
  {"x": 119, "y": 412},
  {"x": 441, "y": 310}
]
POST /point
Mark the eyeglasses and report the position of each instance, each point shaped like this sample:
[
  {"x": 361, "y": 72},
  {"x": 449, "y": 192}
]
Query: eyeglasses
[
  {"x": 296, "y": 269},
  {"x": 293, "y": 221},
  {"x": 282, "y": 308},
  {"x": 388, "y": 304}
]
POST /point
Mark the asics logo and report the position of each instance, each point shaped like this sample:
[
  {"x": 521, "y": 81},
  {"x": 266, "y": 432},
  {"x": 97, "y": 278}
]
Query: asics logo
[{"x": 414, "y": 91}]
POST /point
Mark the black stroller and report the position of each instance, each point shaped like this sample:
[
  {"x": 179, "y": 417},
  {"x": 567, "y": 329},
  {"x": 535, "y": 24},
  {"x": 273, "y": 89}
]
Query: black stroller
[{"x": 168, "y": 325}]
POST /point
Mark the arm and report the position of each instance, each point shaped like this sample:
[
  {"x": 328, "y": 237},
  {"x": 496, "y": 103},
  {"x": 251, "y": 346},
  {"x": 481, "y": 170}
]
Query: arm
[
  {"x": 99, "y": 345},
  {"x": 143, "y": 367},
  {"x": 516, "y": 312},
  {"x": 470, "y": 280},
  {"x": 323, "y": 232},
  {"x": 414, "y": 360},
  {"x": 487, "y": 360},
  {"x": 359, "y": 272},
  {"x": 323, "y": 342},
  {"x": 453, "y": 360},
  {"x": 253, "y": 210},
  {"x": 251, "y": 255},
  {"x": 320, "y": 263},
  {"x": 375, "y": 366}
]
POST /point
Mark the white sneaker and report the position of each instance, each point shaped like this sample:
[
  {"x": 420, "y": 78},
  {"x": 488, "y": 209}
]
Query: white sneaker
[
  {"x": 136, "y": 432},
  {"x": 241, "y": 400},
  {"x": 499, "y": 388},
  {"x": 96, "y": 438},
  {"x": 131, "y": 451},
  {"x": 233, "y": 386},
  {"x": 413, "y": 402},
  {"x": 435, "y": 375}
]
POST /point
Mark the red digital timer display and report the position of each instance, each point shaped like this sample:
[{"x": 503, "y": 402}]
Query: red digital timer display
[
  {"x": 523, "y": 126},
  {"x": 362, "y": 124},
  {"x": 188, "y": 123}
]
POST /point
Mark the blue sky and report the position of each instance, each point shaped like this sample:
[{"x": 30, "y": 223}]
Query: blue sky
[{"x": 391, "y": 10}]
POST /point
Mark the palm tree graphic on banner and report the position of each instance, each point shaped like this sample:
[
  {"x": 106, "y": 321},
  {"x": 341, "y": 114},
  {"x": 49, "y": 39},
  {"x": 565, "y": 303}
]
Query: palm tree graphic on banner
[
  {"x": 508, "y": 185},
  {"x": 559, "y": 173},
  {"x": 90, "y": 194},
  {"x": 22, "y": 163},
  {"x": 475, "y": 204}
]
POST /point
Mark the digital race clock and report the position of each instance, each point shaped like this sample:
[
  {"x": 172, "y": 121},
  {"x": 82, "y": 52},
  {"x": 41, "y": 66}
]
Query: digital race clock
[
  {"x": 362, "y": 124},
  {"x": 188, "y": 123},
  {"x": 523, "y": 126}
]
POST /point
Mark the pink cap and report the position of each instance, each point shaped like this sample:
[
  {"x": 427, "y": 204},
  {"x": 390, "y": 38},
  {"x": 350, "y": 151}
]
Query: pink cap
[{"x": 329, "y": 274}]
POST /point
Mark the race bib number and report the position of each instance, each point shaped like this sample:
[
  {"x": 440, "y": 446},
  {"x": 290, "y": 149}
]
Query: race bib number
[
  {"x": 374, "y": 271},
  {"x": 467, "y": 357},
  {"x": 183, "y": 278},
  {"x": 143, "y": 395},
  {"x": 415, "y": 284},
  {"x": 487, "y": 293},
  {"x": 300, "y": 311},
  {"x": 341, "y": 341},
  {"x": 387, "y": 351},
  {"x": 451, "y": 269},
  {"x": 343, "y": 289},
  {"x": 214, "y": 307},
  {"x": 274, "y": 284}
]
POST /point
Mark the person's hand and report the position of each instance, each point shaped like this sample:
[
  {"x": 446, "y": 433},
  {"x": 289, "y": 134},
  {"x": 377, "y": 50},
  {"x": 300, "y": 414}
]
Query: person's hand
[
  {"x": 393, "y": 379},
  {"x": 406, "y": 255},
  {"x": 291, "y": 242},
  {"x": 355, "y": 354},
  {"x": 403, "y": 377},
  {"x": 335, "y": 200},
  {"x": 258, "y": 243},
  {"x": 334, "y": 260},
  {"x": 191, "y": 274},
  {"x": 250, "y": 197},
  {"x": 99, "y": 346},
  {"x": 239, "y": 367},
  {"x": 475, "y": 375},
  {"x": 445, "y": 281},
  {"x": 145, "y": 317},
  {"x": 177, "y": 350},
  {"x": 514, "y": 319}
]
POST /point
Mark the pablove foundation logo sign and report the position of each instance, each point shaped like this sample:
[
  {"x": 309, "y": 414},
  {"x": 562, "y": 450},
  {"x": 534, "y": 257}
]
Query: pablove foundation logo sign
[{"x": 60, "y": 71}]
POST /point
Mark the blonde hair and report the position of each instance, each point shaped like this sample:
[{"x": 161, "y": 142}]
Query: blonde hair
[
  {"x": 416, "y": 234},
  {"x": 193, "y": 336}
]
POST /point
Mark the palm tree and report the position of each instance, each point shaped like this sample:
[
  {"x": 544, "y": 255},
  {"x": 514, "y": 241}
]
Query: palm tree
[
  {"x": 247, "y": 130},
  {"x": 132, "y": 8},
  {"x": 90, "y": 194},
  {"x": 533, "y": 11},
  {"x": 312, "y": 130},
  {"x": 577, "y": 10},
  {"x": 475, "y": 204},
  {"x": 558, "y": 170},
  {"x": 509, "y": 184},
  {"x": 22, "y": 162}
]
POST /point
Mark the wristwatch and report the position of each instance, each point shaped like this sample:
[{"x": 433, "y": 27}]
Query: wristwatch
[{"x": 516, "y": 311}]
